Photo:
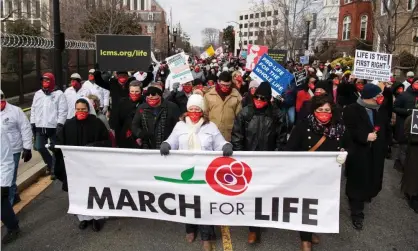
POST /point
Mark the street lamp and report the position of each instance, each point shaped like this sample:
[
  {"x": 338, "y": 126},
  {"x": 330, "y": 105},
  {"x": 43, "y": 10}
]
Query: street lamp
[{"x": 308, "y": 20}]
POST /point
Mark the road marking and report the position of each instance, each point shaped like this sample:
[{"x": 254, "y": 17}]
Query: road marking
[
  {"x": 226, "y": 238},
  {"x": 32, "y": 192}
]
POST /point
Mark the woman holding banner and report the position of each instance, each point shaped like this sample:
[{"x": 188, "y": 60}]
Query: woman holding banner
[
  {"x": 323, "y": 130},
  {"x": 195, "y": 132}
]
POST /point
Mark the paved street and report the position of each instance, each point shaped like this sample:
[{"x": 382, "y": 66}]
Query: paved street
[{"x": 390, "y": 225}]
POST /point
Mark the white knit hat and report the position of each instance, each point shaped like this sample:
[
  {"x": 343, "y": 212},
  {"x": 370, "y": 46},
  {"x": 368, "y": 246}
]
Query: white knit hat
[
  {"x": 91, "y": 71},
  {"x": 254, "y": 84},
  {"x": 75, "y": 76},
  {"x": 196, "y": 100},
  {"x": 410, "y": 74}
]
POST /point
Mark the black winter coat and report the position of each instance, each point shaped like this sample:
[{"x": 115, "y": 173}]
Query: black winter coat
[
  {"x": 304, "y": 138},
  {"x": 117, "y": 92},
  {"x": 410, "y": 175},
  {"x": 180, "y": 99},
  {"x": 154, "y": 125},
  {"x": 127, "y": 110},
  {"x": 346, "y": 94},
  {"x": 403, "y": 106},
  {"x": 89, "y": 132},
  {"x": 365, "y": 160},
  {"x": 256, "y": 130}
]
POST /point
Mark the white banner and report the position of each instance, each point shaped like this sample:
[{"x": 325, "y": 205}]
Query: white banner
[
  {"x": 289, "y": 190},
  {"x": 180, "y": 68},
  {"x": 372, "y": 65}
]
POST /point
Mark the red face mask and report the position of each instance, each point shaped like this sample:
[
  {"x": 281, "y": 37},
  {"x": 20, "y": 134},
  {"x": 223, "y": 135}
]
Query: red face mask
[
  {"x": 317, "y": 93},
  {"x": 197, "y": 69},
  {"x": 380, "y": 99},
  {"x": 336, "y": 81},
  {"x": 239, "y": 78},
  {"x": 311, "y": 86},
  {"x": 45, "y": 84},
  {"x": 225, "y": 89},
  {"x": 91, "y": 77},
  {"x": 199, "y": 87},
  {"x": 323, "y": 117},
  {"x": 252, "y": 90},
  {"x": 3, "y": 104},
  {"x": 259, "y": 103},
  {"x": 392, "y": 79},
  {"x": 211, "y": 83},
  {"x": 359, "y": 87},
  {"x": 399, "y": 90},
  {"x": 415, "y": 86},
  {"x": 75, "y": 84},
  {"x": 153, "y": 102},
  {"x": 122, "y": 80},
  {"x": 81, "y": 115},
  {"x": 134, "y": 96},
  {"x": 187, "y": 88},
  {"x": 410, "y": 80},
  {"x": 194, "y": 116}
]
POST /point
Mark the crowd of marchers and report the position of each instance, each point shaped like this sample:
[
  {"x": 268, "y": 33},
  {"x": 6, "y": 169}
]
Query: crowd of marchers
[{"x": 222, "y": 109}]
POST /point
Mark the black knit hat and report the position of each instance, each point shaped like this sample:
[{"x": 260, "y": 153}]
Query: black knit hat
[
  {"x": 197, "y": 81},
  {"x": 370, "y": 91},
  {"x": 154, "y": 90},
  {"x": 225, "y": 76},
  {"x": 323, "y": 84},
  {"x": 264, "y": 89}
]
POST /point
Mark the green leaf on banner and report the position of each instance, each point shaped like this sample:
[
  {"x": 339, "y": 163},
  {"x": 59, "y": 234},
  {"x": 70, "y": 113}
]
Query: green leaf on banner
[{"x": 187, "y": 174}]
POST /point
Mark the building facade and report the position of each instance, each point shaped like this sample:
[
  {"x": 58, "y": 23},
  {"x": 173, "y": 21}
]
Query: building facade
[{"x": 355, "y": 25}]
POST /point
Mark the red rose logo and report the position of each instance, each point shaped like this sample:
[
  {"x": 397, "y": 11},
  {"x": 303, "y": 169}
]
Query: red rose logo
[{"x": 228, "y": 176}]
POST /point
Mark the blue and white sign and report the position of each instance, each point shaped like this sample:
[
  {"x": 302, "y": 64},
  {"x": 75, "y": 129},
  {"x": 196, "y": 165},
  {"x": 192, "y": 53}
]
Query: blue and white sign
[
  {"x": 267, "y": 69},
  {"x": 304, "y": 59}
]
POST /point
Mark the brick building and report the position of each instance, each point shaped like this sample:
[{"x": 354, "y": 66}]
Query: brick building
[{"x": 355, "y": 24}]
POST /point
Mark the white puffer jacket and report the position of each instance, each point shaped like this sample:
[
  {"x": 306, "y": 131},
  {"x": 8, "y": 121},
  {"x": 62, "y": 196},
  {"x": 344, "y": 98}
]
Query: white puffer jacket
[
  {"x": 48, "y": 110},
  {"x": 7, "y": 164},
  {"x": 17, "y": 127},
  {"x": 72, "y": 96}
]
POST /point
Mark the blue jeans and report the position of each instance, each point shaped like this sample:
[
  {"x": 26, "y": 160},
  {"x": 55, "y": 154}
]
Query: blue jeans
[
  {"x": 291, "y": 112},
  {"x": 8, "y": 216},
  {"x": 42, "y": 136},
  {"x": 13, "y": 187}
]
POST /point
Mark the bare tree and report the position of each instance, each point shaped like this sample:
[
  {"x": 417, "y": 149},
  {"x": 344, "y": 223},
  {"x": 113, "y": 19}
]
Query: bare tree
[
  {"x": 393, "y": 22},
  {"x": 210, "y": 37}
]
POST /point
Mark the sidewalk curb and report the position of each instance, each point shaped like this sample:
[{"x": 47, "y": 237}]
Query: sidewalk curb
[{"x": 29, "y": 177}]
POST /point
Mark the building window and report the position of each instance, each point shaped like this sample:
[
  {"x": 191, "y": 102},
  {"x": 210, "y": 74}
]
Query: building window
[
  {"x": 142, "y": 4},
  {"x": 250, "y": 42},
  {"x": 263, "y": 14},
  {"x": 245, "y": 34},
  {"x": 250, "y": 33},
  {"x": 255, "y": 33},
  {"x": 314, "y": 16},
  {"x": 268, "y": 32},
  {"x": 240, "y": 26},
  {"x": 262, "y": 24},
  {"x": 28, "y": 8},
  {"x": 347, "y": 1},
  {"x": 257, "y": 15},
  {"x": 38, "y": 9},
  {"x": 246, "y": 17},
  {"x": 251, "y": 25},
  {"x": 245, "y": 42},
  {"x": 135, "y": 4},
  {"x": 382, "y": 6},
  {"x": 2, "y": 12},
  {"x": 411, "y": 4},
  {"x": 128, "y": 4},
  {"x": 346, "y": 28},
  {"x": 240, "y": 17},
  {"x": 275, "y": 22},
  {"x": 256, "y": 24},
  {"x": 333, "y": 26},
  {"x": 268, "y": 23},
  {"x": 363, "y": 27},
  {"x": 276, "y": 12},
  {"x": 151, "y": 16},
  {"x": 19, "y": 9},
  {"x": 245, "y": 25},
  {"x": 268, "y": 13},
  {"x": 251, "y": 16}
]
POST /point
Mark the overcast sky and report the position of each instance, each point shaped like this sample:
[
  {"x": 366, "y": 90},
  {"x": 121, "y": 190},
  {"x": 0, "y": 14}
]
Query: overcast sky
[{"x": 195, "y": 15}]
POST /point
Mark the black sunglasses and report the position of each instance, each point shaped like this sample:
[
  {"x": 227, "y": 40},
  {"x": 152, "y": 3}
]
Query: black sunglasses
[{"x": 260, "y": 97}]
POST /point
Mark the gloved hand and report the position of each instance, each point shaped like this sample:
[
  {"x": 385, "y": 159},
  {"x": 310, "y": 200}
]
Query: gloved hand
[
  {"x": 33, "y": 129},
  {"x": 105, "y": 109},
  {"x": 165, "y": 148},
  {"x": 227, "y": 150},
  {"x": 51, "y": 147},
  {"x": 59, "y": 128},
  {"x": 26, "y": 155}
]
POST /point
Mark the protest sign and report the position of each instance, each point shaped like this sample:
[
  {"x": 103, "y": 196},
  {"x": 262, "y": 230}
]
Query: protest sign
[
  {"x": 179, "y": 68},
  {"x": 300, "y": 77},
  {"x": 133, "y": 54},
  {"x": 304, "y": 59},
  {"x": 414, "y": 122},
  {"x": 219, "y": 51},
  {"x": 269, "y": 70},
  {"x": 202, "y": 187},
  {"x": 280, "y": 56},
  {"x": 372, "y": 65},
  {"x": 243, "y": 54},
  {"x": 254, "y": 54}
]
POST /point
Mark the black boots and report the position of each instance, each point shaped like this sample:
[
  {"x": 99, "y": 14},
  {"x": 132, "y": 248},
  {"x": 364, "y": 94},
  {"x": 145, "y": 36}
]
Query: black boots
[{"x": 10, "y": 236}]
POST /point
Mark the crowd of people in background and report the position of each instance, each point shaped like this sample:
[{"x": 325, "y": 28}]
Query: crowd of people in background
[{"x": 222, "y": 109}]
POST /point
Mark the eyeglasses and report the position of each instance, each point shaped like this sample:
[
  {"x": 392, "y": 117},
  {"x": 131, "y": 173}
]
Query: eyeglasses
[{"x": 260, "y": 97}]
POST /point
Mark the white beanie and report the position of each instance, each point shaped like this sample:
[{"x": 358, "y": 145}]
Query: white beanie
[
  {"x": 254, "y": 84},
  {"x": 225, "y": 68},
  {"x": 196, "y": 100},
  {"x": 75, "y": 76},
  {"x": 91, "y": 71},
  {"x": 410, "y": 74}
]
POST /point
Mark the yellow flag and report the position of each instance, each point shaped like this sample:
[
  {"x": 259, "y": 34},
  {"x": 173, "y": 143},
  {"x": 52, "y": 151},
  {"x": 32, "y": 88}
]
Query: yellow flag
[{"x": 210, "y": 51}]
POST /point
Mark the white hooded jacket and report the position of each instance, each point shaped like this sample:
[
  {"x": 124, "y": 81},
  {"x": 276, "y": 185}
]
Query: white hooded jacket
[
  {"x": 71, "y": 95},
  {"x": 17, "y": 127},
  {"x": 7, "y": 164},
  {"x": 48, "y": 110},
  {"x": 95, "y": 90}
]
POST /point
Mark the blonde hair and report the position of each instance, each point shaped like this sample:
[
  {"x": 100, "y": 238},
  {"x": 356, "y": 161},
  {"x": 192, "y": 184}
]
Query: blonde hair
[
  {"x": 236, "y": 73},
  {"x": 95, "y": 100}
]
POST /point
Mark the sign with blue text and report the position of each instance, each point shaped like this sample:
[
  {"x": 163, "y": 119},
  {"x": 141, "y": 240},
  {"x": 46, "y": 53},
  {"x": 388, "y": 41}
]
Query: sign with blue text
[{"x": 267, "y": 69}]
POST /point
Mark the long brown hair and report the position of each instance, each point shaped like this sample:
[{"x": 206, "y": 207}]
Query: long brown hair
[{"x": 205, "y": 118}]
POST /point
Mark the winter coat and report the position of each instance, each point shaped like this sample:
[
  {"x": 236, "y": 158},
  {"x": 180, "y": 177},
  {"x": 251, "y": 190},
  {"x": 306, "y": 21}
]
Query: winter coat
[
  {"x": 365, "y": 160},
  {"x": 154, "y": 125},
  {"x": 180, "y": 99},
  {"x": 200, "y": 75},
  {"x": 403, "y": 106},
  {"x": 303, "y": 138},
  {"x": 7, "y": 164},
  {"x": 117, "y": 92},
  {"x": 410, "y": 175},
  {"x": 209, "y": 135},
  {"x": 48, "y": 110},
  {"x": 346, "y": 94},
  {"x": 95, "y": 90},
  {"x": 15, "y": 123},
  {"x": 71, "y": 95},
  {"x": 124, "y": 137},
  {"x": 223, "y": 112},
  {"x": 259, "y": 130},
  {"x": 88, "y": 132}
]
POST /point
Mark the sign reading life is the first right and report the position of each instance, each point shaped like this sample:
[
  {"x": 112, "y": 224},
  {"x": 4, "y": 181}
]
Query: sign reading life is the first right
[{"x": 372, "y": 65}]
